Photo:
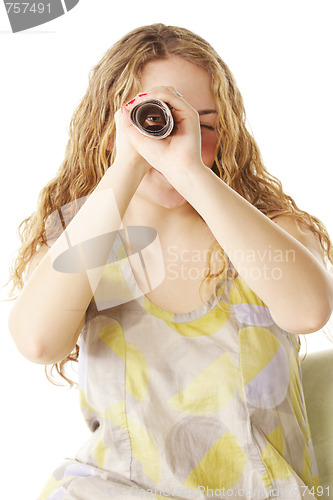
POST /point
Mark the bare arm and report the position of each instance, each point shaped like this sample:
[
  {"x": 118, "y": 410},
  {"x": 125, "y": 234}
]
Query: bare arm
[
  {"x": 281, "y": 264},
  {"x": 49, "y": 313}
]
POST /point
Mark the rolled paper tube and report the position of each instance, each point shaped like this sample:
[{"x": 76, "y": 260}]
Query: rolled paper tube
[{"x": 152, "y": 118}]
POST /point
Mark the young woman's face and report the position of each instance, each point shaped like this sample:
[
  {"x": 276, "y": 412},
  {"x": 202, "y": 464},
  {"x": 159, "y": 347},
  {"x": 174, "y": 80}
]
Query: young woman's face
[{"x": 193, "y": 83}]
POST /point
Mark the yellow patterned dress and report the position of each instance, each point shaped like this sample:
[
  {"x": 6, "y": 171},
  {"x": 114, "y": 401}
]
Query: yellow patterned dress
[{"x": 202, "y": 405}]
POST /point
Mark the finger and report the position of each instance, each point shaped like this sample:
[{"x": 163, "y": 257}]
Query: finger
[
  {"x": 125, "y": 110},
  {"x": 167, "y": 87},
  {"x": 155, "y": 92},
  {"x": 117, "y": 116},
  {"x": 183, "y": 113},
  {"x": 177, "y": 103},
  {"x": 133, "y": 134}
]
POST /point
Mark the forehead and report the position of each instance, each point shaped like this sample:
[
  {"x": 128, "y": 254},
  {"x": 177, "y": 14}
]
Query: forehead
[{"x": 192, "y": 81}]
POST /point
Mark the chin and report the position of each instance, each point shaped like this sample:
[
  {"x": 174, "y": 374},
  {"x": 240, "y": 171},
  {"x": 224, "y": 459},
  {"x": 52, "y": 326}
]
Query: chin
[
  {"x": 158, "y": 191},
  {"x": 167, "y": 198},
  {"x": 170, "y": 201}
]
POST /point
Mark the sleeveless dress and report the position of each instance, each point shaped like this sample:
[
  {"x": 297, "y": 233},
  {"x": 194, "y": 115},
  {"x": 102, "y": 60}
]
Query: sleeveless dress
[{"x": 202, "y": 405}]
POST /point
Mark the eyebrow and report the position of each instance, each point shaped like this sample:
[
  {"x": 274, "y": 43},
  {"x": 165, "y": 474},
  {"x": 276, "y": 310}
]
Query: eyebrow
[{"x": 206, "y": 112}]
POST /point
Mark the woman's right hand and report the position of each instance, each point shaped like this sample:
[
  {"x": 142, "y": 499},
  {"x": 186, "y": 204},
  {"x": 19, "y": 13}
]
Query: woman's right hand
[{"x": 125, "y": 151}]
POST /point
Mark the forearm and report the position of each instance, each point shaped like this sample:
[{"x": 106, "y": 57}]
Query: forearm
[
  {"x": 277, "y": 267},
  {"x": 48, "y": 310}
]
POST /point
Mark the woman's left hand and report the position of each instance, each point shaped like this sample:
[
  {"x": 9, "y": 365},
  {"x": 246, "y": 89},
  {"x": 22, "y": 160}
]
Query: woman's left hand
[{"x": 179, "y": 151}]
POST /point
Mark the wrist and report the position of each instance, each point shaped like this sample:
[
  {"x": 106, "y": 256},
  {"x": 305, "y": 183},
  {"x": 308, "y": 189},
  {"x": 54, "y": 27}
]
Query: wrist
[
  {"x": 135, "y": 169},
  {"x": 185, "y": 177}
]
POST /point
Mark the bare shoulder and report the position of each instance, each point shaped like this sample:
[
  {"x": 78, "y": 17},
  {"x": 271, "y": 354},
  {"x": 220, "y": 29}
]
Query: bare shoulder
[{"x": 301, "y": 233}]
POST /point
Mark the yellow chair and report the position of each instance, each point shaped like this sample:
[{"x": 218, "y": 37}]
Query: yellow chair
[{"x": 317, "y": 375}]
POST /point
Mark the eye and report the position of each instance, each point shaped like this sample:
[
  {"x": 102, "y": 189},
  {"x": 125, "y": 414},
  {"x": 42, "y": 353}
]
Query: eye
[
  {"x": 207, "y": 126},
  {"x": 152, "y": 118}
]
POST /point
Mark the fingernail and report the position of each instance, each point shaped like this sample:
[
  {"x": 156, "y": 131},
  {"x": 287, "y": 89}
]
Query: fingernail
[
  {"x": 140, "y": 95},
  {"x": 129, "y": 102}
]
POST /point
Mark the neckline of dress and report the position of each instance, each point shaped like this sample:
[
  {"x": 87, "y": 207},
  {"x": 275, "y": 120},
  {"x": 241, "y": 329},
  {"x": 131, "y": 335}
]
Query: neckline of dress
[
  {"x": 163, "y": 312},
  {"x": 176, "y": 317}
]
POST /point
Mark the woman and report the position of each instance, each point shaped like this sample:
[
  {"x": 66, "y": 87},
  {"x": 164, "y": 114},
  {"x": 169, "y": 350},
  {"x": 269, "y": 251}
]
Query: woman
[{"x": 188, "y": 390}]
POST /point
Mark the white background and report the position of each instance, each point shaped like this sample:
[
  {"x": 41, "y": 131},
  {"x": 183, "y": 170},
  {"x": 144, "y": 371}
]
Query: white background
[{"x": 280, "y": 53}]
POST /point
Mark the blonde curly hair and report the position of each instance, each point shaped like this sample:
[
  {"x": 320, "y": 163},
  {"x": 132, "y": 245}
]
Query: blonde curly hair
[{"x": 90, "y": 149}]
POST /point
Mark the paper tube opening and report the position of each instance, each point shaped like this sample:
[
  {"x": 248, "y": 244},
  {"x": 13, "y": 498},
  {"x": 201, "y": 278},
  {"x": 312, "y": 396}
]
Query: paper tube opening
[{"x": 152, "y": 118}]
